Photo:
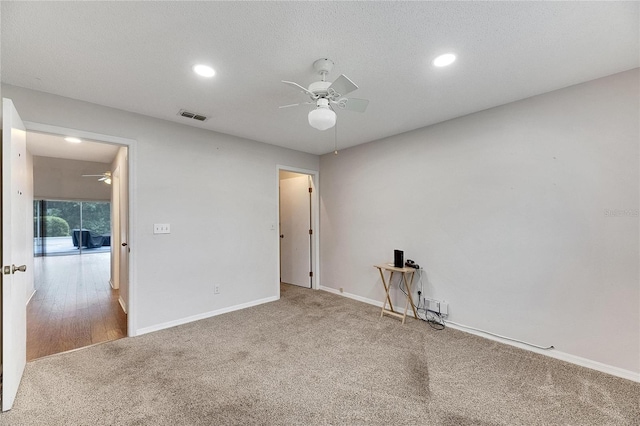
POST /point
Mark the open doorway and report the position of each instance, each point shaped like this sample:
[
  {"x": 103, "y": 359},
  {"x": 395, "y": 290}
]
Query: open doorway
[
  {"x": 78, "y": 220},
  {"x": 18, "y": 232},
  {"x": 297, "y": 212}
]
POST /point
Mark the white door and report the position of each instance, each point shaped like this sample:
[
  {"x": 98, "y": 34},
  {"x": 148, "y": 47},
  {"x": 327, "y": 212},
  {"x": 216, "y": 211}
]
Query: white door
[
  {"x": 295, "y": 223},
  {"x": 15, "y": 208}
]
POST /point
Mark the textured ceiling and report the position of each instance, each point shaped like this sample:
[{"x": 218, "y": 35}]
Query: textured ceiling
[{"x": 137, "y": 56}]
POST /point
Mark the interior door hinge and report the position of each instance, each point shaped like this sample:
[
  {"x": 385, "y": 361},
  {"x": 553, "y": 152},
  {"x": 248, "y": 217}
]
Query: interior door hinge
[
  {"x": 311, "y": 274},
  {"x": 310, "y": 189},
  {"x": 310, "y": 231}
]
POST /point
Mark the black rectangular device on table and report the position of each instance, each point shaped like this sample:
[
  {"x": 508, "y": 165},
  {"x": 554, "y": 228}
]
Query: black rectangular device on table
[{"x": 398, "y": 258}]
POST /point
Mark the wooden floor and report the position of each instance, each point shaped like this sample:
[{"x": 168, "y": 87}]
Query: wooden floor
[{"x": 74, "y": 305}]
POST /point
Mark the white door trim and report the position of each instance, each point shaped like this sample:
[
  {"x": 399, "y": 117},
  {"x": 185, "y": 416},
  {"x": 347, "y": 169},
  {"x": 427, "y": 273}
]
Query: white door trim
[
  {"x": 115, "y": 227},
  {"x": 132, "y": 328},
  {"x": 315, "y": 220}
]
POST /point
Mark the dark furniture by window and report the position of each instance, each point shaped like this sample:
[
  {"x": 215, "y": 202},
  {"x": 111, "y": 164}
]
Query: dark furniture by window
[{"x": 89, "y": 239}]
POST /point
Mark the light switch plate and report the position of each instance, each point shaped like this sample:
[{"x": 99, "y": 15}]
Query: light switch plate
[{"x": 161, "y": 228}]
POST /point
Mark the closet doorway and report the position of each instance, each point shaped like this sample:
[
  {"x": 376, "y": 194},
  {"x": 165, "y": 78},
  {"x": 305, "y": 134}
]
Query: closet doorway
[{"x": 297, "y": 212}]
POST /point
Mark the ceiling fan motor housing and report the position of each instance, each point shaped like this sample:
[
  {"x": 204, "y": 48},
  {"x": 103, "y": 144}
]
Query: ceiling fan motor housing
[{"x": 319, "y": 88}]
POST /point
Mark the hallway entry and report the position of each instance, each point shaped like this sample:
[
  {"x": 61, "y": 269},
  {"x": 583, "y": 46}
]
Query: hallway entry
[{"x": 80, "y": 236}]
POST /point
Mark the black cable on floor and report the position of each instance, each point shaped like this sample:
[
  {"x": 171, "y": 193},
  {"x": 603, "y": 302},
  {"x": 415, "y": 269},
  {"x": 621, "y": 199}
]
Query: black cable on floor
[{"x": 436, "y": 325}]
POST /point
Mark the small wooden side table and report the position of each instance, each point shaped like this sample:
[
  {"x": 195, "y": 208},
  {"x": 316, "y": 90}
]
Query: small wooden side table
[{"x": 407, "y": 277}]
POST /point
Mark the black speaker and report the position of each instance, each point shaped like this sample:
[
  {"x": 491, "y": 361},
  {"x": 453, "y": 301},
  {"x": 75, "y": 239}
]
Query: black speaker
[{"x": 398, "y": 258}]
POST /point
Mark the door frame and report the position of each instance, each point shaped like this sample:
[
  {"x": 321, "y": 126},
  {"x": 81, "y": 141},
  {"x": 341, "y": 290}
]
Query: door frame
[
  {"x": 115, "y": 206},
  {"x": 131, "y": 176},
  {"x": 315, "y": 223}
]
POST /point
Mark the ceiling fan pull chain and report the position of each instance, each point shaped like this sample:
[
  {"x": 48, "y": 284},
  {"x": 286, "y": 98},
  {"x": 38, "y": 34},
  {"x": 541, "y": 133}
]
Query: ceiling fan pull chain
[{"x": 335, "y": 150}]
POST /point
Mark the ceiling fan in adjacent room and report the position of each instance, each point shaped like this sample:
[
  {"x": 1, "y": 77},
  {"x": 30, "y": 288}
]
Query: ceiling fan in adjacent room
[
  {"x": 104, "y": 177},
  {"x": 324, "y": 95}
]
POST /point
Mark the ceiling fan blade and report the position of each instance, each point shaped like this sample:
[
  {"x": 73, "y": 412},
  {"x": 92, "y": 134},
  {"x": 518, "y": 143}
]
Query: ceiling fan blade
[
  {"x": 354, "y": 104},
  {"x": 296, "y": 85},
  {"x": 103, "y": 178},
  {"x": 342, "y": 86},
  {"x": 292, "y": 105},
  {"x": 92, "y": 175}
]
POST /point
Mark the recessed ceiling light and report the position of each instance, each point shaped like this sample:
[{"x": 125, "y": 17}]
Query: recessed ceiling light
[
  {"x": 72, "y": 140},
  {"x": 204, "y": 70},
  {"x": 444, "y": 60}
]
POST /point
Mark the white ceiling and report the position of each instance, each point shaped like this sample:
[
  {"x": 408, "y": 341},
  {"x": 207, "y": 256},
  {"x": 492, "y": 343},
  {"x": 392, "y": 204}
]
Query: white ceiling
[
  {"x": 137, "y": 56},
  {"x": 47, "y": 145}
]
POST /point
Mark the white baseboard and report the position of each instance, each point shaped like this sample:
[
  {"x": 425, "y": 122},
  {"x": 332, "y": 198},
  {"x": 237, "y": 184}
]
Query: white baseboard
[
  {"x": 204, "y": 315},
  {"x": 31, "y": 297},
  {"x": 563, "y": 356},
  {"x": 122, "y": 305},
  {"x": 352, "y": 296},
  {"x": 553, "y": 353}
]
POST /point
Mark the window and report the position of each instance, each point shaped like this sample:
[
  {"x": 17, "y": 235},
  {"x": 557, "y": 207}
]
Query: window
[{"x": 71, "y": 227}]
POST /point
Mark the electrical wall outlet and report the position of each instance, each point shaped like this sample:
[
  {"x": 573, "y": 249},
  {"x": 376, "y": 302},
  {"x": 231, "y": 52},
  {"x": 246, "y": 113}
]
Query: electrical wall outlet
[
  {"x": 432, "y": 305},
  {"x": 161, "y": 228},
  {"x": 444, "y": 308},
  {"x": 440, "y": 307},
  {"x": 216, "y": 289}
]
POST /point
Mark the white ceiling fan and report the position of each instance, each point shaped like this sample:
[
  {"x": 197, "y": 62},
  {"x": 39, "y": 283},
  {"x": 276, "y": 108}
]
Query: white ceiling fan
[
  {"x": 324, "y": 94},
  {"x": 104, "y": 177}
]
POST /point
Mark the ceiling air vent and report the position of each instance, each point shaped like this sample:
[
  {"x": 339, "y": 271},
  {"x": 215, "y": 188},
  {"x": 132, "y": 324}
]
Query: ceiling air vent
[{"x": 195, "y": 116}]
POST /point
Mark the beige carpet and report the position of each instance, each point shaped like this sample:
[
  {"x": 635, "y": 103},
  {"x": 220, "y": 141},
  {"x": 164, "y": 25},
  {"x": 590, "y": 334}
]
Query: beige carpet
[{"x": 315, "y": 358}]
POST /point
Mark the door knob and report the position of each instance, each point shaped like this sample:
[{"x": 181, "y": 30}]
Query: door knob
[
  {"x": 281, "y": 235},
  {"x": 21, "y": 268},
  {"x": 124, "y": 244}
]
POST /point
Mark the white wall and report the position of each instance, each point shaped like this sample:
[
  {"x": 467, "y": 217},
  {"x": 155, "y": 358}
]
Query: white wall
[
  {"x": 506, "y": 211},
  {"x": 61, "y": 179},
  {"x": 218, "y": 192}
]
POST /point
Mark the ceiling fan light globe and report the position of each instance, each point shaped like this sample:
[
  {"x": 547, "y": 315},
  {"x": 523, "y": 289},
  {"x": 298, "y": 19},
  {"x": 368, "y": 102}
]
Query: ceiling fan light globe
[{"x": 322, "y": 118}]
